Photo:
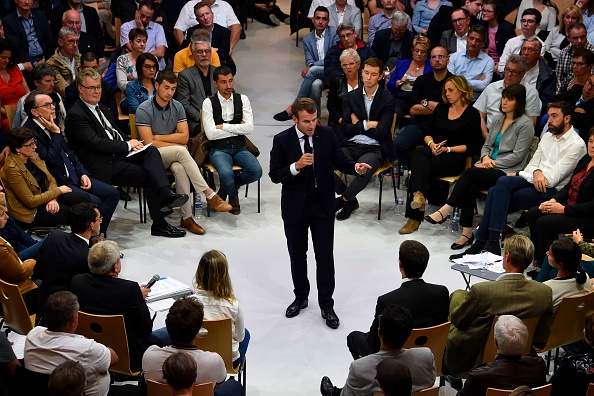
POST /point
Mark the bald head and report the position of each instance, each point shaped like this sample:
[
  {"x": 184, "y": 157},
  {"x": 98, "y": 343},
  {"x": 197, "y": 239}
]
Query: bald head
[{"x": 71, "y": 19}]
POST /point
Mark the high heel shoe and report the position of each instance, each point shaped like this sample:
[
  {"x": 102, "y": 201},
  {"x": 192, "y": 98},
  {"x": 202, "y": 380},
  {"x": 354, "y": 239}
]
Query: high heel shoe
[
  {"x": 431, "y": 221},
  {"x": 458, "y": 246}
]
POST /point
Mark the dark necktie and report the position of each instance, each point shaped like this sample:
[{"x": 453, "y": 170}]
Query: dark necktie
[
  {"x": 114, "y": 134},
  {"x": 309, "y": 170},
  {"x": 70, "y": 168}
]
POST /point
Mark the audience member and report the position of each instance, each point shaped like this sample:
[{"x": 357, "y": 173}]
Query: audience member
[
  {"x": 66, "y": 59},
  {"x": 530, "y": 21},
  {"x": 179, "y": 371},
  {"x": 424, "y": 11},
  {"x": 339, "y": 88},
  {"x": 583, "y": 114},
  {"x": 20, "y": 56},
  {"x": 368, "y": 114},
  {"x": 539, "y": 75},
  {"x": 395, "y": 326},
  {"x": 473, "y": 64},
  {"x": 427, "y": 303},
  {"x": 86, "y": 41},
  {"x": 472, "y": 312},
  {"x": 454, "y": 135},
  {"x": 183, "y": 322},
  {"x": 89, "y": 19},
  {"x": 393, "y": 378},
  {"x": 577, "y": 41},
  {"x": 394, "y": 44},
  {"x": 340, "y": 11},
  {"x": 347, "y": 39},
  {"x": 510, "y": 368},
  {"x": 12, "y": 84},
  {"x": 557, "y": 38},
  {"x": 327, "y": 3},
  {"x": 454, "y": 40},
  {"x": 228, "y": 119},
  {"x": 46, "y": 348},
  {"x": 582, "y": 62},
  {"x": 500, "y": 31},
  {"x": 505, "y": 151},
  {"x": 184, "y": 58},
  {"x": 143, "y": 88},
  {"x": 67, "y": 379},
  {"x": 102, "y": 292},
  {"x": 442, "y": 20},
  {"x": 22, "y": 243},
  {"x": 548, "y": 272},
  {"x": 547, "y": 9},
  {"x": 523, "y": 390},
  {"x": 103, "y": 150},
  {"x": 269, "y": 13},
  {"x": 383, "y": 19},
  {"x": 587, "y": 9},
  {"x": 126, "y": 64}
]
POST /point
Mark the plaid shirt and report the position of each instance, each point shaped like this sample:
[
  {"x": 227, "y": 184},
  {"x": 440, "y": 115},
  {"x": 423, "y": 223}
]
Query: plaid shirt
[{"x": 564, "y": 69}]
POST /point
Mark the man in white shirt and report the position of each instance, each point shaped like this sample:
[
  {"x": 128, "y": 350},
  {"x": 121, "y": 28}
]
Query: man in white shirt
[
  {"x": 341, "y": 12},
  {"x": 46, "y": 348},
  {"x": 223, "y": 15},
  {"x": 530, "y": 22},
  {"x": 325, "y": 3}
]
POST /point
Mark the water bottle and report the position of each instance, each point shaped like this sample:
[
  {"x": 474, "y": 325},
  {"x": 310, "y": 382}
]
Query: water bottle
[
  {"x": 395, "y": 171},
  {"x": 456, "y": 223},
  {"x": 197, "y": 207},
  {"x": 400, "y": 206},
  {"x": 447, "y": 222}
]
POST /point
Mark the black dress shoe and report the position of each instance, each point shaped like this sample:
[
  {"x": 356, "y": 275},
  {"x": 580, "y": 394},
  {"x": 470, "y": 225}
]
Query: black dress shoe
[
  {"x": 331, "y": 318},
  {"x": 458, "y": 246},
  {"x": 348, "y": 208},
  {"x": 455, "y": 383},
  {"x": 169, "y": 231},
  {"x": 295, "y": 307},
  {"x": 124, "y": 196},
  {"x": 338, "y": 203},
  {"x": 173, "y": 201},
  {"x": 476, "y": 248},
  {"x": 429, "y": 220},
  {"x": 326, "y": 387},
  {"x": 282, "y": 116}
]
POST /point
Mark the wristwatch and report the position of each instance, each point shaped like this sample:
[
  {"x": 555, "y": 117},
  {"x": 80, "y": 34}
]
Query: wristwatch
[{"x": 425, "y": 103}]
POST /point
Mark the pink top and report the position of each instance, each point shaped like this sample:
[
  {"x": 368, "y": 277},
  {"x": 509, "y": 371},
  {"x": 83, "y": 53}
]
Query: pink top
[{"x": 492, "y": 50}]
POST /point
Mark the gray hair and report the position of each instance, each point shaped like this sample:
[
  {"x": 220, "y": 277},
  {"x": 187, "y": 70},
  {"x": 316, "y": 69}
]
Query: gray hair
[
  {"x": 345, "y": 26},
  {"x": 103, "y": 256},
  {"x": 349, "y": 53},
  {"x": 400, "y": 18},
  {"x": 533, "y": 40},
  {"x": 88, "y": 72},
  {"x": 517, "y": 59},
  {"x": 67, "y": 31},
  {"x": 200, "y": 35},
  {"x": 511, "y": 335}
]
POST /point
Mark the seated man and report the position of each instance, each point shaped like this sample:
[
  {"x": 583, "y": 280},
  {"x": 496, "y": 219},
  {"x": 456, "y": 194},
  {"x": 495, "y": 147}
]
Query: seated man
[
  {"x": 88, "y": 15},
  {"x": 340, "y": 12},
  {"x": 162, "y": 122},
  {"x": 454, "y": 40},
  {"x": 66, "y": 59},
  {"x": 179, "y": 372},
  {"x": 510, "y": 369},
  {"x": 227, "y": 120},
  {"x": 394, "y": 44},
  {"x": 183, "y": 322},
  {"x": 473, "y": 64},
  {"x": 383, "y": 19},
  {"x": 46, "y": 348},
  {"x": 472, "y": 312},
  {"x": 347, "y": 39},
  {"x": 86, "y": 41},
  {"x": 577, "y": 41},
  {"x": 538, "y": 74},
  {"x": 427, "y": 303},
  {"x": 103, "y": 150},
  {"x": 442, "y": 20},
  {"x": 393, "y": 378},
  {"x": 583, "y": 114},
  {"x": 395, "y": 327},
  {"x": 366, "y": 128},
  {"x": 530, "y": 22},
  {"x": 61, "y": 161},
  {"x": 68, "y": 378},
  {"x": 184, "y": 58}
]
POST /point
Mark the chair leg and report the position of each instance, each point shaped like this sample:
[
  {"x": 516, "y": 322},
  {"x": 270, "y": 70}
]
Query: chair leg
[
  {"x": 394, "y": 186},
  {"x": 247, "y": 187},
  {"x": 243, "y": 374},
  {"x": 258, "y": 195},
  {"x": 380, "y": 176},
  {"x": 126, "y": 201},
  {"x": 140, "y": 203}
]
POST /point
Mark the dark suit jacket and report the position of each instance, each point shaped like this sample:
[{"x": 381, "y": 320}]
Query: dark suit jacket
[
  {"x": 428, "y": 304},
  {"x": 382, "y": 110},
  {"x": 91, "y": 21},
  {"x": 332, "y": 66},
  {"x": 381, "y": 47},
  {"x": 191, "y": 94},
  {"x": 106, "y": 295},
  {"x": 50, "y": 150},
  {"x": 107, "y": 98},
  {"x": 220, "y": 39},
  {"x": 286, "y": 150},
  {"x": 448, "y": 41},
  {"x": 14, "y": 27},
  {"x": 441, "y": 22},
  {"x": 20, "y": 54},
  {"x": 88, "y": 43},
  {"x": 89, "y": 140},
  {"x": 337, "y": 93}
]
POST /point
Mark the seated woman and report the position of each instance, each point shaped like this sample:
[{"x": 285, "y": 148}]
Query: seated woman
[
  {"x": 571, "y": 208},
  {"x": 499, "y": 29},
  {"x": 126, "y": 64},
  {"x": 424, "y": 11},
  {"x": 12, "y": 84},
  {"x": 571, "y": 87},
  {"x": 339, "y": 88},
  {"x": 505, "y": 150},
  {"x": 454, "y": 135},
  {"x": 143, "y": 88},
  {"x": 33, "y": 197},
  {"x": 406, "y": 72},
  {"x": 213, "y": 289},
  {"x": 557, "y": 38}
]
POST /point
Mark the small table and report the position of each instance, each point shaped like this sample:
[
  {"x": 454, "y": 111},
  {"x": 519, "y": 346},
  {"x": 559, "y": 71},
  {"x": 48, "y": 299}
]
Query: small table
[{"x": 479, "y": 273}]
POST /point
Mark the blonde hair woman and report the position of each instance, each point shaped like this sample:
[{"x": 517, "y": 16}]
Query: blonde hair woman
[{"x": 557, "y": 38}]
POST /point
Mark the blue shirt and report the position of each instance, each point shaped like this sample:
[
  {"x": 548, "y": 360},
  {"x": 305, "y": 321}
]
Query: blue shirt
[
  {"x": 422, "y": 14},
  {"x": 35, "y": 49},
  {"x": 472, "y": 70}
]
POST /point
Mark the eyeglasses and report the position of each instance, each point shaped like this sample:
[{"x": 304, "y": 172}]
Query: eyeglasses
[
  {"x": 100, "y": 220},
  {"x": 488, "y": 11},
  {"x": 71, "y": 42},
  {"x": 528, "y": 21},
  {"x": 529, "y": 50},
  {"x": 350, "y": 64},
  {"x": 150, "y": 67},
  {"x": 202, "y": 52},
  {"x": 578, "y": 64},
  {"x": 33, "y": 143},
  {"x": 95, "y": 88},
  {"x": 513, "y": 73},
  {"x": 459, "y": 20},
  {"x": 420, "y": 52},
  {"x": 47, "y": 105},
  {"x": 346, "y": 36},
  {"x": 435, "y": 57}
]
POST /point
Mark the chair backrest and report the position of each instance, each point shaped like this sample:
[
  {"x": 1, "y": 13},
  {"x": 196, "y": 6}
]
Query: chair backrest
[
  {"x": 590, "y": 390},
  {"x": 568, "y": 323},
  {"x": 133, "y": 131},
  {"x": 434, "y": 338},
  {"x": 16, "y": 315},
  {"x": 110, "y": 331},
  {"x": 427, "y": 392},
  {"x": 27, "y": 382},
  {"x": 10, "y": 111},
  {"x": 544, "y": 390},
  {"x": 511, "y": 17},
  {"x": 154, "y": 388},
  {"x": 118, "y": 28},
  {"x": 490, "y": 351},
  {"x": 218, "y": 339}
]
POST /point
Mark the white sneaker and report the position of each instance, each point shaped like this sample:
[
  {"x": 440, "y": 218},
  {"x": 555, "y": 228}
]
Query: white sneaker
[{"x": 274, "y": 19}]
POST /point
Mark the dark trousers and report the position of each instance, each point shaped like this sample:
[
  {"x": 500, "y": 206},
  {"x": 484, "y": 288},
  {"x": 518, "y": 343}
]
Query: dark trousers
[
  {"x": 359, "y": 345},
  {"x": 105, "y": 196},
  {"x": 467, "y": 187},
  {"x": 406, "y": 142},
  {"x": 43, "y": 218},
  {"x": 321, "y": 224},
  {"x": 426, "y": 167},
  {"x": 264, "y": 16},
  {"x": 545, "y": 228},
  {"x": 371, "y": 155},
  {"x": 401, "y": 107}
]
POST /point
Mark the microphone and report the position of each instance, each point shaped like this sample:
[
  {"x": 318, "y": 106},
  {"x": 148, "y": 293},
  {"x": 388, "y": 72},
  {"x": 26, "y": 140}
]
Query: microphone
[{"x": 153, "y": 280}]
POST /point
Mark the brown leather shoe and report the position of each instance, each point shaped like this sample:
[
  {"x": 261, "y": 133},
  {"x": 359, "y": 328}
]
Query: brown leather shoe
[
  {"x": 218, "y": 204},
  {"x": 235, "y": 204},
  {"x": 192, "y": 226},
  {"x": 410, "y": 227},
  {"x": 418, "y": 201}
]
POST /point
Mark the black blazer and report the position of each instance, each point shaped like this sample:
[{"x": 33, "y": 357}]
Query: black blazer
[
  {"x": 428, "y": 304},
  {"x": 441, "y": 22},
  {"x": 584, "y": 206},
  {"x": 89, "y": 140},
  {"x": 106, "y": 295},
  {"x": 50, "y": 150},
  {"x": 505, "y": 31},
  {"x": 583, "y": 121},
  {"x": 91, "y": 20},
  {"x": 88, "y": 43},
  {"x": 382, "y": 110},
  {"x": 328, "y": 156},
  {"x": 448, "y": 41},
  {"x": 14, "y": 27},
  {"x": 337, "y": 93},
  {"x": 382, "y": 41},
  {"x": 107, "y": 98},
  {"x": 220, "y": 39}
]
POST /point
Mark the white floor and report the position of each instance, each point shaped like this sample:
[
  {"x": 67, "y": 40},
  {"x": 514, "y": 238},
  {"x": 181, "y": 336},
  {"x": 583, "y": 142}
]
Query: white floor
[{"x": 285, "y": 356}]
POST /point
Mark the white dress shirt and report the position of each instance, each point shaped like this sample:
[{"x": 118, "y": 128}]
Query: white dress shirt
[{"x": 227, "y": 107}]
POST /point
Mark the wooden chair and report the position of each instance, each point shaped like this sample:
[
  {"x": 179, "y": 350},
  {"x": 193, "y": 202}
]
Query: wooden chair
[
  {"x": 590, "y": 390},
  {"x": 434, "y": 391},
  {"x": 453, "y": 179},
  {"x": 511, "y": 17},
  {"x": 10, "y": 111},
  {"x": 544, "y": 390},
  {"x": 434, "y": 338},
  {"x": 218, "y": 339},
  {"x": 386, "y": 168},
  {"x": 118, "y": 28},
  {"x": 568, "y": 323},
  {"x": 154, "y": 388},
  {"x": 16, "y": 315},
  {"x": 490, "y": 351},
  {"x": 110, "y": 331}
]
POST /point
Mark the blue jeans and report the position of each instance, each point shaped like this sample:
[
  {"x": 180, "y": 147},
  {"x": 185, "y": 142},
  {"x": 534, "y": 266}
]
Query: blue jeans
[
  {"x": 162, "y": 335},
  {"x": 105, "y": 196},
  {"x": 312, "y": 86},
  {"x": 31, "y": 252},
  {"x": 509, "y": 191},
  {"x": 223, "y": 160},
  {"x": 229, "y": 388},
  {"x": 405, "y": 143},
  {"x": 242, "y": 348}
]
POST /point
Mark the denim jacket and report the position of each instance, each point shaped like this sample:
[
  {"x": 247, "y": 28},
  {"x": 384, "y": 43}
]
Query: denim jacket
[{"x": 136, "y": 93}]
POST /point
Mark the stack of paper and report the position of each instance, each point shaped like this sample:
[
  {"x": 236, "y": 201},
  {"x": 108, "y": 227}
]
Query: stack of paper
[
  {"x": 486, "y": 260},
  {"x": 168, "y": 288}
]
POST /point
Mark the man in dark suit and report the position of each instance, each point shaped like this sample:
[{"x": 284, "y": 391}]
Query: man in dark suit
[
  {"x": 442, "y": 21},
  {"x": 64, "y": 255},
  {"x": 86, "y": 41},
  {"x": 366, "y": 128},
  {"x": 89, "y": 18},
  {"x": 454, "y": 39},
  {"x": 113, "y": 158},
  {"x": 307, "y": 201},
  {"x": 427, "y": 303},
  {"x": 62, "y": 163},
  {"x": 398, "y": 36}
]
